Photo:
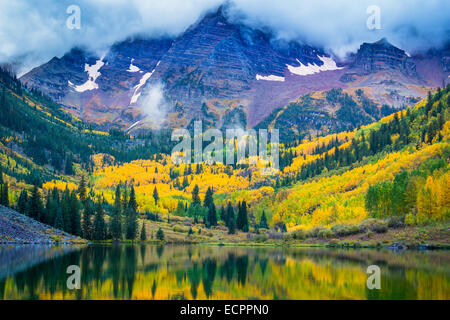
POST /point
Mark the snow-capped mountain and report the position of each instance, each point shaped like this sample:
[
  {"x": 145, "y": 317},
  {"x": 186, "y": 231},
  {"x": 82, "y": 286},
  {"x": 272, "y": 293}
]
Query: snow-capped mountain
[{"x": 217, "y": 69}]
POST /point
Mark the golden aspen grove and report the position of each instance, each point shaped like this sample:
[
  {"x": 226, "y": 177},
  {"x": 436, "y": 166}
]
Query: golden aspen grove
[{"x": 324, "y": 189}]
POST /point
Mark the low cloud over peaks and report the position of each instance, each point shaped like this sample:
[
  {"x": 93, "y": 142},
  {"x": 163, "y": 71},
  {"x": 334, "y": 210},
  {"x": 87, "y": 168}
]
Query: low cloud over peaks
[
  {"x": 32, "y": 32},
  {"x": 341, "y": 25}
]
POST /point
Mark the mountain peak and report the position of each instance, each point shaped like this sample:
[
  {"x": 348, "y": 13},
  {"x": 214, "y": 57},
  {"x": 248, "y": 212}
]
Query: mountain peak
[
  {"x": 382, "y": 55},
  {"x": 383, "y": 42}
]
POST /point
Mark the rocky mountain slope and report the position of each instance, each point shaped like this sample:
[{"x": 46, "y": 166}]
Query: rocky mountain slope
[
  {"x": 217, "y": 68},
  {"x": 17, "y": 228}
]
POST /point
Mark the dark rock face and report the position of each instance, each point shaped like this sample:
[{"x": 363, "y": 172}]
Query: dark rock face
[
  {"x": 382, "y": 55},
  {"x": 213, "y": 60},
  {"x": 218, "y": 60},
  {"x": 223, "y": 66},
  {"x": 51, "y": 77}
]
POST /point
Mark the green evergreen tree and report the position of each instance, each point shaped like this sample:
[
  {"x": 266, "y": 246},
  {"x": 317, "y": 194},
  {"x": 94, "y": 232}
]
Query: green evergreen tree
[
  {"x": 143, "y": 232},
  {"x": 263, "y": 221},
  {"x": 242, "y": 218},
  {"x": 88, "y": 212},
  {"x": 155, "y": 195},
  {"x": 231, "y": 222},
  {"x": 125, "y": 199},
  {"x": 4, "y": 195},
  {"x": 131, "y": 225},
  {"x": 180, "y": 211},
  {"x": 22, "y": 202},
  {"x": 75, "y": 216},
  {"x": 116, "y": 217},
  {"x": 195, "y": 196},
  {"x": 132, "y": 202},
  {"x": 160, "y": 235},
  {"x": 69, "y": 166},
  {"x": 65, "y": 207},
  {"x": 223, "y": 214},
  {"x": 99, "y": 222},
  {"x": 36, "y": 205},
  {"x": 208, "y": 203},
  {"x": 59, "y": 220}
]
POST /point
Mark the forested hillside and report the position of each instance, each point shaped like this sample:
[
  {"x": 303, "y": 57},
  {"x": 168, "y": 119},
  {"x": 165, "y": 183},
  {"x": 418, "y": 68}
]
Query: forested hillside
[{"x": 109, "y": 185}]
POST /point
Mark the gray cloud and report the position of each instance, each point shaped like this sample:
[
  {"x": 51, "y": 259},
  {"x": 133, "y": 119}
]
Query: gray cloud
[
  {"x": 35, "y": 31},
  {"x": 32, "y": 32},
  {"x": 340, "y": 25}
]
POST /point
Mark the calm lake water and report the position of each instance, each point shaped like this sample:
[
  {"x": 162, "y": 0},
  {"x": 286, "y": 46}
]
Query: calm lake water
[{"x": 209, "y": 272}]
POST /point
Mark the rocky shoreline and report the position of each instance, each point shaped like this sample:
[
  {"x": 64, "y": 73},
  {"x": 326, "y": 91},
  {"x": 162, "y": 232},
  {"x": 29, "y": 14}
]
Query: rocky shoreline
[{"x": 15, "y": 228}]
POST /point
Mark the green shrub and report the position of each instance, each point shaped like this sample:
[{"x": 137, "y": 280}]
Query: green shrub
[
  {"x": 345, "y": 230},
  {"x": 180, "y": 229},
  {"x": 299, "y": 234},
  {"x": 325, "y": 234},
  {"x": 375, "y": 225},
  {"x": 261, "y": 238},
  {"x": 395, "y": 222},
  {"x": 314, "y": 232},
  {"x": 288, "y": 236}
]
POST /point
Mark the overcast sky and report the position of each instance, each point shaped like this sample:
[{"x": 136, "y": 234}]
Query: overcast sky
[{"x": 32, "y": 32}]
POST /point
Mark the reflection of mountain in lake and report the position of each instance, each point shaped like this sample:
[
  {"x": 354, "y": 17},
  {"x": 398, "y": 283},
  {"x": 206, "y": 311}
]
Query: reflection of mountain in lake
[{"x": 197, "y": 272}]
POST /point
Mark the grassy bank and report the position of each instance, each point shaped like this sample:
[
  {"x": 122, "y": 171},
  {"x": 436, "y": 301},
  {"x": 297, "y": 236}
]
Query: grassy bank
[{"x": 371, "y": 233}]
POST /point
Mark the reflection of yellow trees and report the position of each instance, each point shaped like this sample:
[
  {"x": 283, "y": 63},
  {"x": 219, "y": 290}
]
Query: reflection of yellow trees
[{"x": 238, "y": 273}]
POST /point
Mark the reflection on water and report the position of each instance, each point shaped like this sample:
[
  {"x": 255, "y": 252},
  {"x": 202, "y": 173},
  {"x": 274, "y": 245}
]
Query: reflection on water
[{"x": 207, "y": 272}]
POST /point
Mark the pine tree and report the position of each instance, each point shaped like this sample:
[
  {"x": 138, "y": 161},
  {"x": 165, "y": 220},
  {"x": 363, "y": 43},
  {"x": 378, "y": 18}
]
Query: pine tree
[
  {"x": 208, "y": 203},
  {"x": 22, "y": 202},
  {"x": 263, "y": 222},
  {"x": 223, "y": 214},
  {"x": 185, "y": 182},
  {"x": 99, "y": 222},
  {"x": 132, "y": 202},
  {"x": 5, "y": 195},
  {"x": 3, "y": 99},
  {"x": 160, "y": 235},
  {"x": 65, "y": 207},
  {"x": 195, "y": 196},
  {"x": 155, "y": 196},
  {"x": 116, "y": 217},
  {"x": 242, "y": 218},
  {"x": 69, "y": 166},
  {"x": 87, "y": 220},
  {"x": 180, "y": 211},
  {"x": 143, "y": 232},
  {"x": 75, "y": 215},
  {"x": 125, "y": 199},
  {"x": 212, "y": 215},
  {"x": 231, "y": 223},
  {"x": 131, "y": 225},
  {"x": 36, "y": 205},
  {"x": 59, "y": 220}
]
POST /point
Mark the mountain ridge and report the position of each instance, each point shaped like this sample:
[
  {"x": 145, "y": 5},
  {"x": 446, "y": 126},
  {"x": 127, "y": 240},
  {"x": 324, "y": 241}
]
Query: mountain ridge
[{"x": 223, "y": 65}]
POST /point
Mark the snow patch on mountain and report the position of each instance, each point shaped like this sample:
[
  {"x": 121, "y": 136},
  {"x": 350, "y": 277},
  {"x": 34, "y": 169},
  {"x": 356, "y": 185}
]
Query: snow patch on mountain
[
  {"x": 93, "y": 74},
  {"x": 133, "y": 68},
  {"x": 142, "y": 83},
  {"x": 303, "y": 70},
  {"x": 270, "y": 78},
  {"x": 133, "y": 125}
]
